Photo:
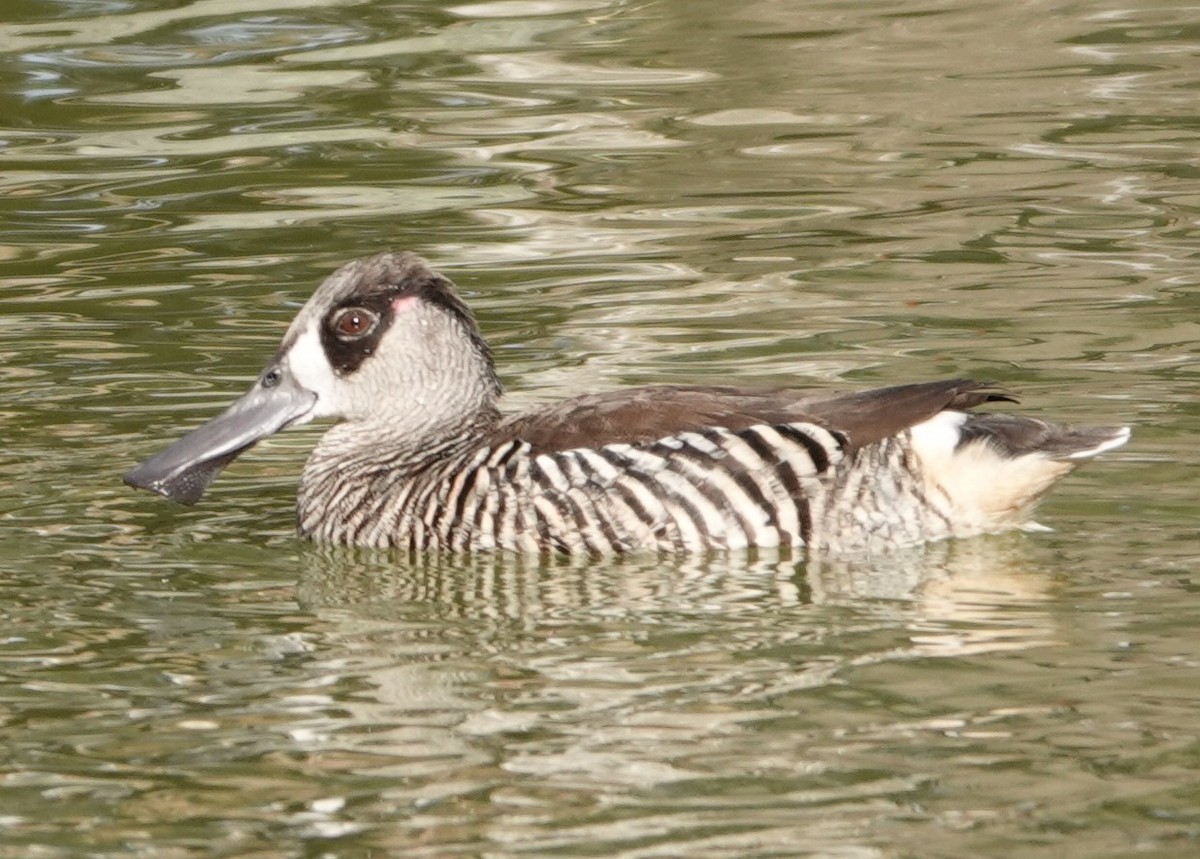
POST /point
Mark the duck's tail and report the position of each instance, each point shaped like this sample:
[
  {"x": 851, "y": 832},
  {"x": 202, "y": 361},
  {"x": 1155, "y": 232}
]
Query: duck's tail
[{"x": 994, "y": 468}]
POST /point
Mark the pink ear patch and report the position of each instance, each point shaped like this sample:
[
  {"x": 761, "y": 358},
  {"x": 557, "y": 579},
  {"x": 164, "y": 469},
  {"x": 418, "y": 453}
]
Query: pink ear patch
[{"x": 403, "y": 303}]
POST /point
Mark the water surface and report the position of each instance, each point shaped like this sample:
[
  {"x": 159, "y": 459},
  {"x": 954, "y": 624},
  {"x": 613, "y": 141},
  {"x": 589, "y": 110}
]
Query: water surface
[{"x": 813, "y": 194}]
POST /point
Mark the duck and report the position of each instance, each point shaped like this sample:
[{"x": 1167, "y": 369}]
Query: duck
[{"x": 420, "y": 456}]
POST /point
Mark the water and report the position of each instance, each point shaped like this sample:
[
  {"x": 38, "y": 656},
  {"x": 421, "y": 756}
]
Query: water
[{"x": 812, "y": 194}]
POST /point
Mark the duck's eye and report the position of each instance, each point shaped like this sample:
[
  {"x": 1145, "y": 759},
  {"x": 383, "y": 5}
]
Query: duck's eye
[{"x": 350, "y": 323}]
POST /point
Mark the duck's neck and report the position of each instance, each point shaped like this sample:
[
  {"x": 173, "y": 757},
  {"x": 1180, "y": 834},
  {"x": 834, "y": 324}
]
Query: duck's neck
[
  {"x": 375, "y": 444},
  {"x": 362, "y": 465}
]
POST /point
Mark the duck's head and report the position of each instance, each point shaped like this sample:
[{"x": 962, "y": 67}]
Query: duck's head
[{"x": 384, "y": 341}]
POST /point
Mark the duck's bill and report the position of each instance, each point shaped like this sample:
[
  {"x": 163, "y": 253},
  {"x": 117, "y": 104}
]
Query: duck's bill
[{"x": 184, "y": 470}]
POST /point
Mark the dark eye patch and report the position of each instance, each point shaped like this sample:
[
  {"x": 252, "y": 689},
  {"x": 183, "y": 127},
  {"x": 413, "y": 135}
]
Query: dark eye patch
[
  {"x": 350, "y": 332},
  {"x": 347, "y": 333}
]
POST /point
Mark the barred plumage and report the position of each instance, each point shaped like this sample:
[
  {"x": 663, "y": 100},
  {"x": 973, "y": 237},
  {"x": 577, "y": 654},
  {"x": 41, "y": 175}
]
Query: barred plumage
[
  {"x": 422, "y": 459},
  {"x": 710, "y": 489}
]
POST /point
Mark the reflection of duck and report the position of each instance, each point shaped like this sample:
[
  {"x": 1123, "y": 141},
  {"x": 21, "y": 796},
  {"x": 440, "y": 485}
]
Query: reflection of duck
[
  {"x": 422, "y": 458},
  {"x": 495, "y": 584},
  {"x": 939, "y": 597}
]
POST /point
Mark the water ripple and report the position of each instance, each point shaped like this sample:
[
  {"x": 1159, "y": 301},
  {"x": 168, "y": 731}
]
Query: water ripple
[{"x": 820, "y": 195}]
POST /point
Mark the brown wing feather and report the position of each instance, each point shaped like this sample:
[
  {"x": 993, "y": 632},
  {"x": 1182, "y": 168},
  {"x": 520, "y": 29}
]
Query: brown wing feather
[{"x": 646, "y": 414}]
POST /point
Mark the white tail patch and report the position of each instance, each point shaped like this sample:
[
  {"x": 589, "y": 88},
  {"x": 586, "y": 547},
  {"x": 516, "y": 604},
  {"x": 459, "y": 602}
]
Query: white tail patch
[
  {"x": 988, "y": 490},
  {"x": 1119, "y": 437}
]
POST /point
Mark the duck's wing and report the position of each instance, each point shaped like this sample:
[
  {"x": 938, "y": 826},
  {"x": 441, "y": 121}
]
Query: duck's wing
[{"x": 646, "y": 414}]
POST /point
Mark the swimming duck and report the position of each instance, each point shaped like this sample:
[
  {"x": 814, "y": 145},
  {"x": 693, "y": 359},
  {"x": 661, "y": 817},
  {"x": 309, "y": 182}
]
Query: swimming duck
[{"x": 421, "y": 457}]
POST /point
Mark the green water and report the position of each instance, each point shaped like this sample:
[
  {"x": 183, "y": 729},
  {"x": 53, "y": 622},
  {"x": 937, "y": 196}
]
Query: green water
[{"x": 818, "y": 194}]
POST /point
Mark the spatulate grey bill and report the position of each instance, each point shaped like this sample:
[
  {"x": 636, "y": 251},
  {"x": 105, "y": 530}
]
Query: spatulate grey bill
[
  {"x": 184, "y": 470},
  {"x": 421, "y": 457}
]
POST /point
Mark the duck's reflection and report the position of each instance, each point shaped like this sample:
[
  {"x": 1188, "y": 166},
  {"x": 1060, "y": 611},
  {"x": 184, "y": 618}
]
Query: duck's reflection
[
  {"x": 965, "y": 580},
  {"x": 943, "y": 599}
]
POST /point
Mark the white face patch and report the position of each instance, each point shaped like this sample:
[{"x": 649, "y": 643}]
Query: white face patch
[{"x": 310, "y": 368}]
